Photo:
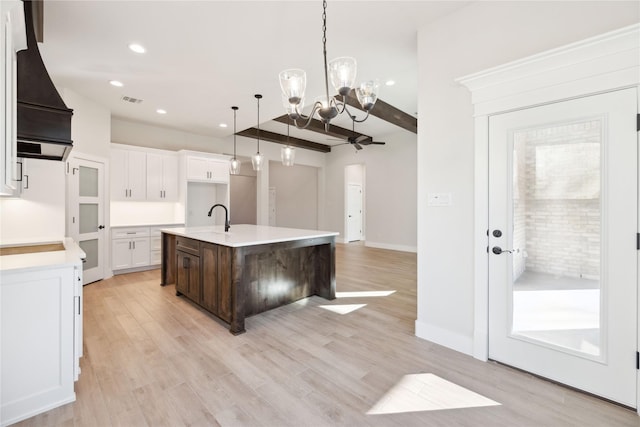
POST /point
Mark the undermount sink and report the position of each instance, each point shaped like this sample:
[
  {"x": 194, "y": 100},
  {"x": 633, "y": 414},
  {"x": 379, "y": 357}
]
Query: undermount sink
[{"x": 31, "y": 249}]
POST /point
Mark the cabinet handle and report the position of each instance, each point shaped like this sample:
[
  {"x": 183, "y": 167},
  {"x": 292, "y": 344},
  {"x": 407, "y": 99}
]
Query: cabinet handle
[
  {"x": 129, "y": 245},
  {"x": 134, "y": 245},
  {"x": 26, "y": 185}
]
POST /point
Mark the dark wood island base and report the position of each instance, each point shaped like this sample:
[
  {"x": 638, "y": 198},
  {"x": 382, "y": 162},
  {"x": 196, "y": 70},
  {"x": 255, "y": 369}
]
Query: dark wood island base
[{"x": 237, "y": 282}]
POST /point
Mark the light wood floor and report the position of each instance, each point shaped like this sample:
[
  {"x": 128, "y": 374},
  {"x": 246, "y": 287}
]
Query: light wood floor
[{"x": 154, "y": 359}]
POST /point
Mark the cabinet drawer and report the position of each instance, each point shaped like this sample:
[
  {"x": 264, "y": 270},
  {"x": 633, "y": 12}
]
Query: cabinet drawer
[
  {"x": 124, "y": 233},
  {"x": 156, "y": 257},
  {"x": 156, "y": 243},
  {"x": 188, "y": 245}
]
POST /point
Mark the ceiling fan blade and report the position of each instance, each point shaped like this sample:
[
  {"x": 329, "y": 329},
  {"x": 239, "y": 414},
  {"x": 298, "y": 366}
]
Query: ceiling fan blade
[
  {"x": 358, "y": 146},
  {"x": 362, "y": 139},
  {"x": 377, "y": 142}
]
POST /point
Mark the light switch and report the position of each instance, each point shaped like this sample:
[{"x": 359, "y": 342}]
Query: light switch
[{"x": 439, "y": 199}]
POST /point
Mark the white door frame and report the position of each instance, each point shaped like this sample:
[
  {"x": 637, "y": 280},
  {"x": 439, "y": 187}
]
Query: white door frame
[
  {"x": 349, "y": 231},
  {"x": 595, "y": 65},
  {"x": 360, "y": 180},
  {"x": 106, "y": 243}
]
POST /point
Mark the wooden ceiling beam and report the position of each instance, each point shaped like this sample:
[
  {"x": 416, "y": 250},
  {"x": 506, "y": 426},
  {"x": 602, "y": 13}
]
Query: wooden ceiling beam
[
  {"x": 386, "y": 112},
  {"x": 317, "y": 126},
  {"x": 282, "y": 139}
]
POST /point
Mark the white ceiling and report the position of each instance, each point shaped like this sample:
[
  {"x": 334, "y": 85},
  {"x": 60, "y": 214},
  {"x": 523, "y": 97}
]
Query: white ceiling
[{"x": 205, "y": 56}]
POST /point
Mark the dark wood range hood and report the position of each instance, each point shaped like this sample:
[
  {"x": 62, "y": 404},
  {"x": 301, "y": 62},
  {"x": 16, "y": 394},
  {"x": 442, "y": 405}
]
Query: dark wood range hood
[{"x": 43, "y": 119}]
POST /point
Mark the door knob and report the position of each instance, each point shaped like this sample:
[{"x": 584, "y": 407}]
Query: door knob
[
  {"x": 100, "y": 227},
  {"x": 498, "y": 250},
  {"x": 497, "y": 233}
]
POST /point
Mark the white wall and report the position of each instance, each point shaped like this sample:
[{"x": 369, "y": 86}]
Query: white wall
[
  {"x": 90, "y": 125},
  {"x": 296, "y": 195},
  {"x": 479, "y": 36},
  {"x": 390, "y": 190}
]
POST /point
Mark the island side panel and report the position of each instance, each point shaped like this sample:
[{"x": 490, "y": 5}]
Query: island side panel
[
  {"x": 168, "y": 267},
  {"x": 325, "y": 270},
  {"x": 238, "y": 291}
]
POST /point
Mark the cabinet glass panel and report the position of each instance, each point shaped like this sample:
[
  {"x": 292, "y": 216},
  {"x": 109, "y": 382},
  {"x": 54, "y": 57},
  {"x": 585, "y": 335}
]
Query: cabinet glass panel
[
  {"x": 88, "y": 221},
  {"x": 557, "y": 234},
  {"x": 90, "y": 247},
  {"x": 88, "y": 182}
]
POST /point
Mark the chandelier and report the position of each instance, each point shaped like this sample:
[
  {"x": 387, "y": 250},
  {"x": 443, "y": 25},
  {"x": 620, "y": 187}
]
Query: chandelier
[{"x": 342, "y": 73}]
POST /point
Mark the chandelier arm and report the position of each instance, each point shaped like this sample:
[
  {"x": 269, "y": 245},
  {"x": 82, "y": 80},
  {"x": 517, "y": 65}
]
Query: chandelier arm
[
  {"x": 308, "y": 118},
  {"x": 353, "y": 116}
]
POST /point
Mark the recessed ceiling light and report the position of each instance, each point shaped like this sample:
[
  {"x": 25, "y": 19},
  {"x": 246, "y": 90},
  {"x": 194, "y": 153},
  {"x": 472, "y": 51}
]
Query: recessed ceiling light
[
  {"x": 223, "y": 125},
  {"x": 137, "y": 48},
  {"x": 390, "y": 82},
  {"x": 116, "y": 83},
  {"x": 161, "y": 111}
]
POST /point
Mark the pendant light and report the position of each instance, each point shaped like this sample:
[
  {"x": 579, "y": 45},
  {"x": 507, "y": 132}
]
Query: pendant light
[
  {"x": 257, "y": 159},
  {"x": 287, "y": 153},
  {"x": 234, "y": 164}
]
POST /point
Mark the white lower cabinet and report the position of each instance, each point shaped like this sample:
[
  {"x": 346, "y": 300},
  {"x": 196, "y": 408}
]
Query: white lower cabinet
[
  {"x": 129, "y": 248},
  {"x": 41, "y": 339},
  {"x": 137, "y": 247}
]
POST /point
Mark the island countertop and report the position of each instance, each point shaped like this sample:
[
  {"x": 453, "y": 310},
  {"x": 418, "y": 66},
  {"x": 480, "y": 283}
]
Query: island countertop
[{"x": 240, "y": 235}]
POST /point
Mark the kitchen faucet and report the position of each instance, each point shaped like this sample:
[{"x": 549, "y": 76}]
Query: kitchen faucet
[{"x": 226, "y": 215}]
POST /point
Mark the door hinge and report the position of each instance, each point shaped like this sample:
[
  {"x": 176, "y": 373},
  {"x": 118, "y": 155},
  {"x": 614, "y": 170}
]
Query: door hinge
[
  {"x": 638, "y": 241},
  {"x": 637, "y": 122},
  {"x": 637, "y": 360}
]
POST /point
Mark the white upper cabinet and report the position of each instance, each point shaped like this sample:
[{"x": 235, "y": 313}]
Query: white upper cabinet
[
  {"x": 12, "y": 39},
  {"x": 162, "y": 177},
  {"x": 128, "y": 175},
  {"x": 205, "y": 169}
]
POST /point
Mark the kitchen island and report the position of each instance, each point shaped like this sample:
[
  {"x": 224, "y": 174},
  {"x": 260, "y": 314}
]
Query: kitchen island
[{"x": 249, "y": 269}]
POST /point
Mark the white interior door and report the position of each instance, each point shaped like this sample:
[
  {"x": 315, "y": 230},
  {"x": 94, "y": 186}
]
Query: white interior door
[
  {"x": 563, "y": 182},
  {"x": 354, "y": 213},
  {"x": 86, "y": 214}
]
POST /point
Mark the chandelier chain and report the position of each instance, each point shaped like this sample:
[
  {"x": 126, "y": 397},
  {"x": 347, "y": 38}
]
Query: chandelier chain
[{"x": 324, "y": 49}]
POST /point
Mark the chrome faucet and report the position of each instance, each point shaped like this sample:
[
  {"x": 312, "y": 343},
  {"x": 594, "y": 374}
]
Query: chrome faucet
[{"x": 226, "y": 215}]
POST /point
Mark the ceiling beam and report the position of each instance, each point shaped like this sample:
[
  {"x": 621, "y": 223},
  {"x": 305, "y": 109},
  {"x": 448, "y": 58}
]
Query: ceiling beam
[
  {"x": 282, "y": 139},
  {"x": 317, "y": 126},
  {"x": 386, "y": 112}
]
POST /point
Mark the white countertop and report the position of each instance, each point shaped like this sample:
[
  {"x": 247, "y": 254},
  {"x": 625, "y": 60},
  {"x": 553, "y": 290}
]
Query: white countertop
[
  {"x": 71, "y": 255},
  {"x": 246, "y": 234},
  {"x": 143, "y": 224}
]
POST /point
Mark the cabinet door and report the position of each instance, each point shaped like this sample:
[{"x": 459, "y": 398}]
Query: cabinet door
[
  {"x": 197, "y": 169},
  {"x": 155, "y": 187},
  {"x": 137, "y": 171},
  {"x": 140, "y": 252},
  {"x": 209, "y": 254},
  {"x": 120, "y": 254},
  {"x": 188, "y": 276},
  {"x": 119, "y": 173},
  {"x": 219, "y": 171},
  {"x": 170, "y": 178}
]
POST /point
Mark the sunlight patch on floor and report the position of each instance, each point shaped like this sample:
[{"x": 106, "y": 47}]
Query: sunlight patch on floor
[
  {"x": 427, "y": 392},
  {"x": 342, "y": 308},
  {"x": 356, "y": 294}
]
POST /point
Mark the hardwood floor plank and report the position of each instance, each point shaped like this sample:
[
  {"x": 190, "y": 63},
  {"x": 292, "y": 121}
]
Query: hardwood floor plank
[{"x": 154, "y": 359}]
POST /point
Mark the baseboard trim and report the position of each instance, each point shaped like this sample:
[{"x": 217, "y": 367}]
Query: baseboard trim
[
  {"x": 402, "y": 248},
  {"x": 445, "y": 337}
]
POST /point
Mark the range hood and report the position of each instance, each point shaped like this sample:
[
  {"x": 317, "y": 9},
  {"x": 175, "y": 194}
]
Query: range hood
[{"x": 43, "y": 119}]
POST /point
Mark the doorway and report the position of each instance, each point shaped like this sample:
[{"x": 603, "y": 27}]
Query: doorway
[
  {"x": 354, "y": 202},
  {"x": 563, "y": 204},
  {"x": 86, "y": 214}
]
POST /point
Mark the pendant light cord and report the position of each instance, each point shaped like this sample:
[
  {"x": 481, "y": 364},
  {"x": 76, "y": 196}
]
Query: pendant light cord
[{"x": 258, "y": 98}]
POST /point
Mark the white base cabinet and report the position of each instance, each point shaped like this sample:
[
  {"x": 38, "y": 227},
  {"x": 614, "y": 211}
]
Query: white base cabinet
[
  {"x": 41, "y": 318},
  {"x": 129, "y": 248}
]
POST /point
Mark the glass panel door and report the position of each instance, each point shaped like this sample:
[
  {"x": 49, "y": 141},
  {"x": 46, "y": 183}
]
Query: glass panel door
[{"x": 563, "y": 212}]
